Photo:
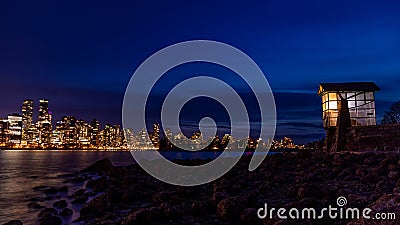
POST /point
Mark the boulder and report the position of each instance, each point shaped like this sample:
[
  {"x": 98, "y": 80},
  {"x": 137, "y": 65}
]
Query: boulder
[
  {"x": 95, "y": 207},
  {"x": 48, "y": 216},
  {"x": 60, "y": 204},
  {"x": 228, "y": 209},
  {"x": 199, "y": 208},
  {"x": 103, "y": 166},
  {"x": 173, "y": 212},
  {"x": 98, "y": 185},
  {"x": 65, "y": 213},
  {"x": 249, "y": 216},
  {"x": 14, "y": 222},
  {"x": 35, "y": 205},
  {"x": 114, "y": 195},
  {"x": 308, "y": 190},
  {"x": 142, "y": 216},
  {"x": 218, "y": 196},
  {"x": 52, "y": 220},
  {"x": 48, "y": 212}
]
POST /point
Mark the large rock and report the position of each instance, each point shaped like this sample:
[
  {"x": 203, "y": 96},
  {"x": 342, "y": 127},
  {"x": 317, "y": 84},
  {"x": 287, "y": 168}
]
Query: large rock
[
  {"x": 173, "y": 212},
  {"x": 357, "y": 200},
  {"x": 52, "y": 220},
  {"x": 142, "y": 216},
  {"x": 65, "y": 212},
  {"x": 199, "y": 208},
  {"x": 229, "y": 209},
  {"x": 14, "y": 222},
  {"x": 60, "y": 204},
  {"x": 35, "y": 205},
  {"x": 249, "y": 216},
  {"x": 48, "y": 212},
  {"x": 95, "y": 207},
  {"x": 308, "y": 190},
  {"x": 218, "y": 197},
  {"x": 98, "y": 185},
  {"x": 385, "y": 204},
  {"x": 101, "y": 166},
  {"x": 48, "y": 216},
  {"x": 114, "y": 195}
]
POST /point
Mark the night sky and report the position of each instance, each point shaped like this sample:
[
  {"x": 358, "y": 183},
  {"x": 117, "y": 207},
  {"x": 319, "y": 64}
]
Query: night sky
[{"x": 80, "y": 55}]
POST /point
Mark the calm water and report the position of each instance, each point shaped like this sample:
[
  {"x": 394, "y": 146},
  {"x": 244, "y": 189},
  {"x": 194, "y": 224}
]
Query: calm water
[{"x": 21, "y": 171}]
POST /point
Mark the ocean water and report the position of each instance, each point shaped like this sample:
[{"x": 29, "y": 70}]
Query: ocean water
[{"x": 21, "y": 171}]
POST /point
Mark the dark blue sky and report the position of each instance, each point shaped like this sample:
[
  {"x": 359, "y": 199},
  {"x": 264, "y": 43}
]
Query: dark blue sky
[{"x": 80, "y": 55}]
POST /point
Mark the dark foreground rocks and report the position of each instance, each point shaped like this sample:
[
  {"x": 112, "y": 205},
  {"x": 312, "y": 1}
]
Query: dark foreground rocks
[
  {"x": 102, "y": 166},
  {"x": 128, "y": 195},
  {"x": 49, "y": 216},
  {"x": 14, "y": 222}
]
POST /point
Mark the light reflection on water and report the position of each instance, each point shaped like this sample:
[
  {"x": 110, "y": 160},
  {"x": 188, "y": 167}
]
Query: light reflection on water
[{"x": 21, "y": 171}]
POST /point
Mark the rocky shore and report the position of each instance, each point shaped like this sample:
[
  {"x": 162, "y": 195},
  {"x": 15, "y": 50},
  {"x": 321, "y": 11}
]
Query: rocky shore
[{"x": 128, "y": 195}]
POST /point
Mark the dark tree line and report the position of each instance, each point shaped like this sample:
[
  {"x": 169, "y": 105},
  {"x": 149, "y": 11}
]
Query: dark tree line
[{"x": 393, "y": 115}]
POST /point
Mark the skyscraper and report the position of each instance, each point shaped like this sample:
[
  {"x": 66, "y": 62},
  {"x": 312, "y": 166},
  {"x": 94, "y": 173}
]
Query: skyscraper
[
  {"x": 130, "y": 137},
  {"x": 44, "y": 123},
  {"x": 43, "y": 110},
  {"x": 3, "y": 132},
  {"x": 155, "y": 135},
  {"x": 27, "y": 119},
  {"x": 14, "y": 128},
  {"x": 168, "y": 136},
  {"x": 83, "y": 133},
  {"x": 68, "y": 132},
  {"x": 95, "y": 134},
  {"x": 108, "y": 135}
]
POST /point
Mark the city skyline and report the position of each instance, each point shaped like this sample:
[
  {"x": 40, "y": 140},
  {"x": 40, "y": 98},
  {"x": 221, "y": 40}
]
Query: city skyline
[
  {"x": 199, "y": 112},
  {"x": 20, "y": 131},
  {"x": 83, "y": 63}
]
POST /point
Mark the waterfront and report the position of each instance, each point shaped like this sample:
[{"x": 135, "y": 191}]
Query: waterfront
[{"x": 21, "y": 171}]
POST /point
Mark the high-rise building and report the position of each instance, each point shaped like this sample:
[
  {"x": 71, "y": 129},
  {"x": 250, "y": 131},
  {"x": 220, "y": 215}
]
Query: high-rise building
[
  {"x": 83, "y": 133},
  {"x": 33, "y": 136},
  {"x": 3, "y": 132},
  {"x": 196, "y": 140},
  {"x": 215, "y": 142},
  {"x": 27, "y": 119},
  {"x": 43, "y": 110},
  {"x": 168, "y": 136},
  {"x": 168, "y": 133},
  {"x": 111, "y": 136},
  {"x": 44, "y": 123},
  {"x": 119, "y": 136},
  {"x": 225, "y": 140},
  {"x": 143, "y": 140},
  {"x": 155, "y": 136},
  {"x": 56, "y": 141},
  {"x": 107, "y": 135},
  {"x": 14, "y": 128},
  {"x": 95, "y": 133},
  {"x": 181, "y": 140},
  {"x": 67, "y": 128},
  {"x": 130, "y": 137}
]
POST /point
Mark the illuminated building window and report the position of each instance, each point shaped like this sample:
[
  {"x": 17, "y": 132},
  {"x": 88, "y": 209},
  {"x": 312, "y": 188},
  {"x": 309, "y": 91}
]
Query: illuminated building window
[{"x": 360, "y": 100}]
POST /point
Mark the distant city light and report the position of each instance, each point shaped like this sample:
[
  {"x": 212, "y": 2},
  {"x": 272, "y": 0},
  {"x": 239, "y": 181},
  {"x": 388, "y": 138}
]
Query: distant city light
[{"x": 19, "y": 131}]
